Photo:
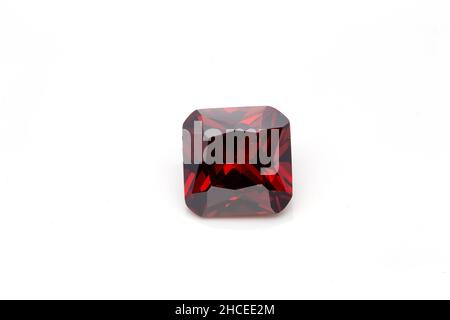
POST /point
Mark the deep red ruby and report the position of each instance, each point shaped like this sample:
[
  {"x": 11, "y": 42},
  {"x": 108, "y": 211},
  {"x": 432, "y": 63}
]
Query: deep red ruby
[{"x": 237, "y": 161}]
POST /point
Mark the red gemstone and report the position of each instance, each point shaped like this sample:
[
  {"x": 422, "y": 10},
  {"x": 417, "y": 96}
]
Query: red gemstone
[{"x": 237, "y": 161}]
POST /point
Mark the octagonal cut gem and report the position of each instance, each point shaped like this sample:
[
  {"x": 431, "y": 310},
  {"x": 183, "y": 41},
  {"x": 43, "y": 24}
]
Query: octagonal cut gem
[{"x": 237, "y": 161}]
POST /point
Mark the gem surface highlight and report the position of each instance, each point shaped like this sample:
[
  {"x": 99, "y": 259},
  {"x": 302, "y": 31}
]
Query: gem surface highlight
[{"x": 237, "y": 161}]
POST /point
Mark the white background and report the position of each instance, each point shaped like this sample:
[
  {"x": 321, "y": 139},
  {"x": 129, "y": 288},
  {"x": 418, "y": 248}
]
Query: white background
[{"x": 92, "y": 99}]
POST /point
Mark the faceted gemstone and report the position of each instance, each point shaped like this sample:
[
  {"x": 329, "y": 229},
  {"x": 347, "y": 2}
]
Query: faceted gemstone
[{"x": 237, "y": 161}]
